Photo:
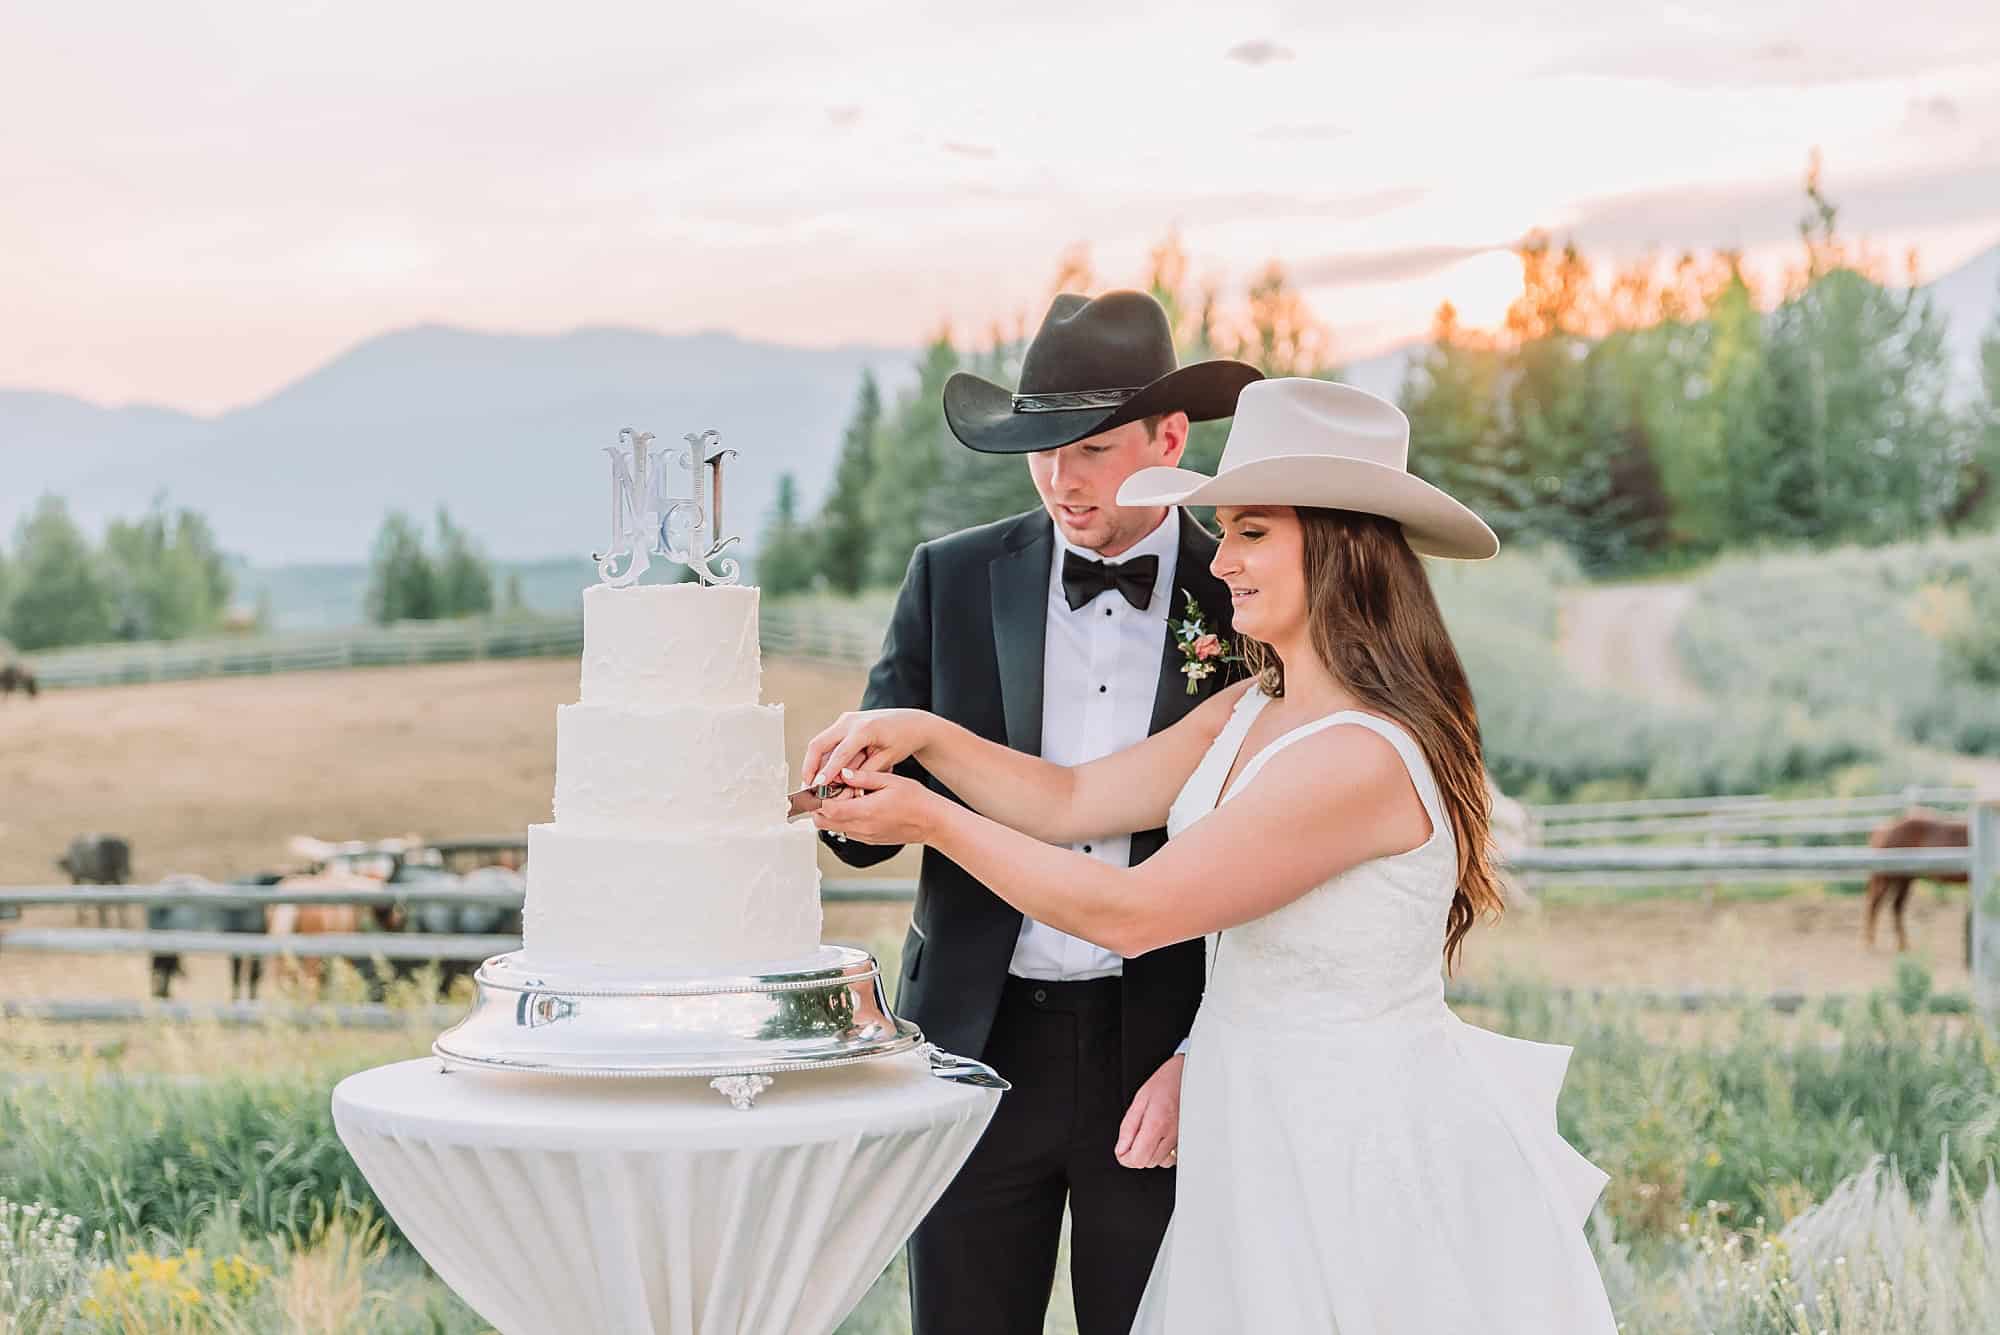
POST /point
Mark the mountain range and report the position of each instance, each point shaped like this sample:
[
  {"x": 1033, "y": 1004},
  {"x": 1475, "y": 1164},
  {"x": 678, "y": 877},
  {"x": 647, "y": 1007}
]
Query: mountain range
[{"x": 505, "y": 430}]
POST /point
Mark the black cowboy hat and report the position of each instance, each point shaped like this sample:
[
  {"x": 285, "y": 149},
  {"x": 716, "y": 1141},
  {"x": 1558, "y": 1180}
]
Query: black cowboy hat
[{"x": 1095, "y": 364}]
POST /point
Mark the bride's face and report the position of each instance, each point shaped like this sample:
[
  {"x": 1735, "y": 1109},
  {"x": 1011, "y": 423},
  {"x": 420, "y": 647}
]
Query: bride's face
[{"x": 1262, "y": 560}]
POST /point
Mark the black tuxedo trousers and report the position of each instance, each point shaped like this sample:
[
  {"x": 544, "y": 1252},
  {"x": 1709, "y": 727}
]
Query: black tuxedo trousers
[{"x": 966, "y": 642}]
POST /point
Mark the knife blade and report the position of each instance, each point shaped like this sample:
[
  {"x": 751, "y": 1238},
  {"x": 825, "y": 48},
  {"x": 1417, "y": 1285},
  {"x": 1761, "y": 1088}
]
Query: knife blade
[{"x": 808, "y": 800}]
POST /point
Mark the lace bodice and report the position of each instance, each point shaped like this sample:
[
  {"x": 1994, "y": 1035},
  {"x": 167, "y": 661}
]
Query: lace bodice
[{"x": 1366, "y": 945}]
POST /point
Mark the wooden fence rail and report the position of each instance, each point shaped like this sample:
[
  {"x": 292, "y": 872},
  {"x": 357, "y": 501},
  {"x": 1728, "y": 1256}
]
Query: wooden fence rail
[
  {"x": 303, "y": 945},
  {"x": 1980, "y": 863},
  {"x": 847, "y": 637},
  {"x": 236, "y": 1014},
  {"x": 1749, "y": 805},
  {"x": 850, "y": 890}
]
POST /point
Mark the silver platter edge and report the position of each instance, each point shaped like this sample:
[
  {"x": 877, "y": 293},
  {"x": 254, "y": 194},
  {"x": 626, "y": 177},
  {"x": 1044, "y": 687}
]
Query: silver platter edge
[{"x": 822, "y": 1012}]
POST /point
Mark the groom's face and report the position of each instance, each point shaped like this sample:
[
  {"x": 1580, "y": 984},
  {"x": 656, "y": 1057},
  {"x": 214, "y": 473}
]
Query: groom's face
[{"x": 1079, "y": 483}]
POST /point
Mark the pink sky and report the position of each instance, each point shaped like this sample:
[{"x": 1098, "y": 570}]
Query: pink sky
[{"x": 206, "y": 201}]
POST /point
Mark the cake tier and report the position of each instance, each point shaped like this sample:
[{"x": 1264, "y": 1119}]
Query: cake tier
[
  {"x": 655, "y": 646},
  {"x": 681, "y": 903},
  {"x": 630, "y": 771}
]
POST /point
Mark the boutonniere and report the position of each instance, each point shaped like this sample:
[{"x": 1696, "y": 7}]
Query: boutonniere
[{"x": 1205, "y": 651}]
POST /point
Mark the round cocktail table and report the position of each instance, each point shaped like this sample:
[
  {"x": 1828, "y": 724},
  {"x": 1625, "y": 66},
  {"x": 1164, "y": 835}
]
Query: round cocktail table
[{"x": 569, "y": 1204}]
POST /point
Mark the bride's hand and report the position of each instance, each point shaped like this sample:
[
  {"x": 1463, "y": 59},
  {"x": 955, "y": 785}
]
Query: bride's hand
[
  {"x": 871, "y": 741},
  {"x": 881, "y": 809}
]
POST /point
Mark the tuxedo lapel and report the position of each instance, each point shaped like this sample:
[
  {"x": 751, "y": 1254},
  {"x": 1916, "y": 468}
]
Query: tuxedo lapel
[
  {"x": 1020, "y": 589},
  {"x": 1171, "y": 701}
]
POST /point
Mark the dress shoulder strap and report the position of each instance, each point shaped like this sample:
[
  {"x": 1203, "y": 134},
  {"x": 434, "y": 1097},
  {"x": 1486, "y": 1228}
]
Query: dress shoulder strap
[{"x": 1394, "y": 733}]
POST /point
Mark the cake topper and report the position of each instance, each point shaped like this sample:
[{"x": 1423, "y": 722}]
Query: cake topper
[{"x": 648, "y": 520}]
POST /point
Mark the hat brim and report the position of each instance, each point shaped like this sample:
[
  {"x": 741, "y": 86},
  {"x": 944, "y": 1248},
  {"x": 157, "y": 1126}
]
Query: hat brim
[
  {"x": 1433, "y": 522},
  {"x": 981, "y": 414}
]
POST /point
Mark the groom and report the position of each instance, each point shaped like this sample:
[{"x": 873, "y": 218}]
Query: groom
[{"x": 1051, "y": 632}]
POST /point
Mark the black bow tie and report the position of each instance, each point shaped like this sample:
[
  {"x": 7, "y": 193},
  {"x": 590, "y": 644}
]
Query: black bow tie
[{"x": 1083, "y": 579}]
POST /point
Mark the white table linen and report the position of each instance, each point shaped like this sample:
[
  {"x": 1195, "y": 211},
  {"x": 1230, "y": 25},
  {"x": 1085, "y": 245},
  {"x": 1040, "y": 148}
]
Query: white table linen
[{"x": 556, "y": 1205}]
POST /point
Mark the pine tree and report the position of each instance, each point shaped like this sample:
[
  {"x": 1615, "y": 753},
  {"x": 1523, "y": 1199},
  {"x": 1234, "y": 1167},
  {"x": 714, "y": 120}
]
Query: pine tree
[
  {"x": 402, "y": 585},
  {"x": 841, "y": 532},
  {"x": 1979, "y": 482},
  {"x": 168, "y": 578},
  {"x": 59, "y": 597},
  {"x": 463, "y": 578},
  {"x": 194, "y": 536},
  {"x": 785, "y": 553},
  {"x": 1451, "y": 394},
  {"x": 1280, "y": 335},
  {"x": 907, "y": 461}
]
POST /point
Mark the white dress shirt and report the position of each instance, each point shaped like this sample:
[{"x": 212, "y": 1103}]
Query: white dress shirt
[{"x": 1100, "y": 673}]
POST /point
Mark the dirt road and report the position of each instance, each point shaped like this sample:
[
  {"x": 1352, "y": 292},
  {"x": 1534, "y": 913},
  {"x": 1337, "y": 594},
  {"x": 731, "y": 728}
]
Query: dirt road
[{"x": 1621, "y": 637}]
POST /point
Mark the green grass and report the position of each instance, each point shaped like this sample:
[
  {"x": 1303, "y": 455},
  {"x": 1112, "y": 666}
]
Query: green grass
[
  {"x": 1857, "y": 636},
  {"x": 1721, "y": 1132}
]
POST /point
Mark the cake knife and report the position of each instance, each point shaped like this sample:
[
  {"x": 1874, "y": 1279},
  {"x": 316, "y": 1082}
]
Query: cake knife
[{"x": 808, "y": 800}]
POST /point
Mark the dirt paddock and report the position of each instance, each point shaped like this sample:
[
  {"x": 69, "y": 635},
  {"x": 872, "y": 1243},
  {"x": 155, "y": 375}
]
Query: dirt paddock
[{"x": 214, "y": 776}]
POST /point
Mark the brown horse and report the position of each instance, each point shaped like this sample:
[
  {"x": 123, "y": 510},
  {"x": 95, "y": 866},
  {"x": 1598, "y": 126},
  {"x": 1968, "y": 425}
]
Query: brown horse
[
  {"x": 312, "y": 919},
  {"x": 1917, "y": 828},
  {"x": 14, "y": 677}
]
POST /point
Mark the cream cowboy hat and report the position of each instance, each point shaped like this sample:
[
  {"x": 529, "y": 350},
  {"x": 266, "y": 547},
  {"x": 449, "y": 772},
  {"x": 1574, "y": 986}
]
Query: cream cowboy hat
[{"x": 1318, "y": 443}]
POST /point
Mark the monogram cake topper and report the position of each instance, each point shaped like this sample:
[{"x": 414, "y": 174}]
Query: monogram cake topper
[{"x": 648, "y": 520}]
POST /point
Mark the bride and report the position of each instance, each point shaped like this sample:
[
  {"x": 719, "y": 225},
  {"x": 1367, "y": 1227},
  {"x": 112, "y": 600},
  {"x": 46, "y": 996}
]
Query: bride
[{"x": 1356, "y": 1159}]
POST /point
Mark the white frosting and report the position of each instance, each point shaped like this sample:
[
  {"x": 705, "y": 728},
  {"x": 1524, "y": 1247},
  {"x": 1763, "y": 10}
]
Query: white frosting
[
  {"x": 680, "y": 903},
  {"x": 655, "y": 646},
  {"x": 670, "y": 853},
  {"x": 628, "y": 772}
]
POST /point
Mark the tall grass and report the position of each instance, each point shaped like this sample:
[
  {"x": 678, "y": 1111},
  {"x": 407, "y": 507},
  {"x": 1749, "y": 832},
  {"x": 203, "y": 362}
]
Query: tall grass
[
  {"x": 1859, "y": 633},
  {"x": 341, "y": 1277},
  {"x": 1822, "y": 1135},
  {"x": 1874, "y": 1258},
  {"x": 1751, "y": 1115},
  {"x": 1551, "y": 738}
]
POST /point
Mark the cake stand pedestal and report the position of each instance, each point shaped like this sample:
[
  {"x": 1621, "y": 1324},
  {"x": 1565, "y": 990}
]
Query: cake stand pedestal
[{"x": 643, "y": 1205}]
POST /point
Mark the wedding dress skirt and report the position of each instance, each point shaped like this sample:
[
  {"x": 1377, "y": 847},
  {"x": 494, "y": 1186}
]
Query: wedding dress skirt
[{"x": 1355, "y": 1159}]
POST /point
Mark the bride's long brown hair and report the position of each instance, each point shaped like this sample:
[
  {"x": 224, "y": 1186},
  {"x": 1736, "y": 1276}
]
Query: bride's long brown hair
[{"x": 1375, "y": 624}]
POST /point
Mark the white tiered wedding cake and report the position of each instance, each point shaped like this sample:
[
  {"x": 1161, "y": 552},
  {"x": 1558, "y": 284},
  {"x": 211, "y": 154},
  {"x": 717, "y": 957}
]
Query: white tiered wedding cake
[{"x": 670, "y": 852}]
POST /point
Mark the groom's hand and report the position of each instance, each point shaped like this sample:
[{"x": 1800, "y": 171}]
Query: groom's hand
[
  {"x": 1150, "y": 1135},
  {"x": 881, "y": 809},
  {"x": 872, "y": 740}
]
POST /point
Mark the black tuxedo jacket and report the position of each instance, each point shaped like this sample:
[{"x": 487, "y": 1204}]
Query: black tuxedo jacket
[{"x": 966, "y": 643}]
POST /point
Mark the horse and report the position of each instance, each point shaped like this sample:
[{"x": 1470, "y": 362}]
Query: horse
[
  {"x": 245, "y": 971},
  {"x": 1916, "y": 828},
  {"x": 97, "y": 859},
  {"x": 311, "y": 919},
  {"x": 16, "y": 677}
]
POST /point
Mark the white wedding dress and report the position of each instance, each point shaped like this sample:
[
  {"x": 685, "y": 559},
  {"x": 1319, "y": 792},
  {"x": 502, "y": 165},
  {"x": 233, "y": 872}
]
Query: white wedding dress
[{"x": 1354, "y": 1158}]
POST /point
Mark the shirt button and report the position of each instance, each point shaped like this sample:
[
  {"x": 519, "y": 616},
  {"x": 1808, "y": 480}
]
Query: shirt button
[
  {"x": 1041, "y": 995},
  {"x": 1102, "y": 689},
  {"x": 1107, "y": 611}
]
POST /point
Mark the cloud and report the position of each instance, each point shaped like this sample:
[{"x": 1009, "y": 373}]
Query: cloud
[
  {"x": 1924, "y": 113},
  {"x": 1295, "y": 133},
  {"x": 842, "y": 118},
  {"x": 978, "y": 151},
  {"x": 1249, "y": 204},
  {"x": 1383, "y": 266},
  {"x": 1085, "y": 211},
  {"x": 1748, "y": 213},
  {"x": 1262, "y": 51},
  {"x": 1924, "y": 45}
]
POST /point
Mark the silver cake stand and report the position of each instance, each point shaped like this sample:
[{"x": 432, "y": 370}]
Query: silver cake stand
[{"x": 739, "y": 1031}]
